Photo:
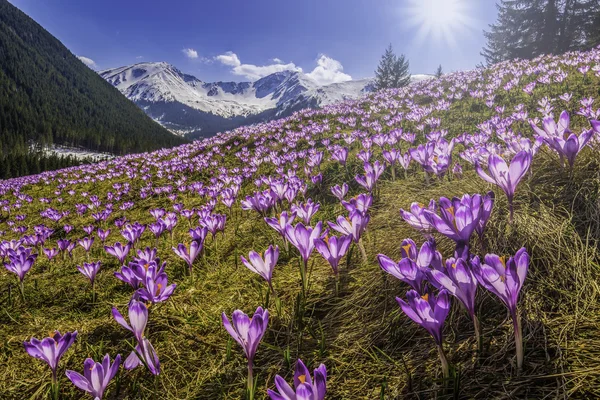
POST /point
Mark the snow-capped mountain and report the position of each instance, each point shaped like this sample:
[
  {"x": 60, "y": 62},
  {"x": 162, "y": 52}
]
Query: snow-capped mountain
[{"x": 188, "y": 106}]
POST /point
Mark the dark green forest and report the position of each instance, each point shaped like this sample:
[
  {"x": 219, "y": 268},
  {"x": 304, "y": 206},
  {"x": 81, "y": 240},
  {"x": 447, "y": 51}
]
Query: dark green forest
[{"x": 48, "y": 96}]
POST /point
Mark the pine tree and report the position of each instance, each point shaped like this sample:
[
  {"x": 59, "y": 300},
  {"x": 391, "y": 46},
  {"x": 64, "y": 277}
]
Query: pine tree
[
  {"x": 439, "y": 72},
  {"x": 401, "y": 73},
  {"x": 383, "y": 75},
  {"x": 393, "y": 71}
]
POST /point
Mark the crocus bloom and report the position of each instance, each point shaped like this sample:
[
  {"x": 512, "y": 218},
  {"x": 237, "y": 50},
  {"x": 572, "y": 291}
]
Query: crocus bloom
[
  {"x": 406, "y": 270},
  {"x": 138, "y": 317},
  {"x": 145, "y": 350},
  {"x": 21, "y": 261},
  {"x": 303, "y": 237},
  {"x": 340, "y": 191},
  {"x": 333, "y": 249},
  {"x": 408, "y": 249},
  {"x": 457, "y": 220},
  {"x": 460, "y": 282},
  {"x": 96, "y": 376},
  {"x": 90, "y": 270},
  {"x": 415, "y": 217},
  {"x": 430, "y": 312},
  {"x": 280, "y": 223},
  {"x": 354, "y": 226},
  {"x": 248, "y": 332},
  {"x": 118, "y": 250},
  {"x": 188, "y": 256},
  {"x": 128, "y": 276},
  {"x": 50, "y": 253},
  {"x": 306, "y": 211},
  {"x": 505, "y": 176},
  {"x": 86, "y": 243},
  {"x": 304, "y": 387},
  {"x": 51, "y": 349},
  {"x": 505, "y": 280},
  {"x": 263, "y": 267},
  {"x": 486, "y": 212},
  {"x": 157, "y": 287}
]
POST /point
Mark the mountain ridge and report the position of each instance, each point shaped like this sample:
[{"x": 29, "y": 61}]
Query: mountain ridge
[{"x": 188, "y": 106}]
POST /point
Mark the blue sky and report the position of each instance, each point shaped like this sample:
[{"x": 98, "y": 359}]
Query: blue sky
[{"x": 244, "y": 39}]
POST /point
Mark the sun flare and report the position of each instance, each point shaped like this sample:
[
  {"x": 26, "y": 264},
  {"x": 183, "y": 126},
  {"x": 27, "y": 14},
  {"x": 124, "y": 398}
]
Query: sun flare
[{"x": 438, "y": 20}]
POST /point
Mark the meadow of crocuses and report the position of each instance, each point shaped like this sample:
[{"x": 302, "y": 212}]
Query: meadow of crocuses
[{"x": 432, "y": 241}]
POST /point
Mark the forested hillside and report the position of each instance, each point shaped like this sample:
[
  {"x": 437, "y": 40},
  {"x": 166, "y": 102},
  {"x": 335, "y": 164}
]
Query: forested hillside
[{"x": 47, "y": 96}]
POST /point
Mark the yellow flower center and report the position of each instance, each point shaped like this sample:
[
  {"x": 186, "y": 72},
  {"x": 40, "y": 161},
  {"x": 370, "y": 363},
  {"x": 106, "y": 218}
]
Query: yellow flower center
[
  {"x": 302, "y": 378},
  {"x": 425, "y": 297},
  {"x": 407, "y": 247}
]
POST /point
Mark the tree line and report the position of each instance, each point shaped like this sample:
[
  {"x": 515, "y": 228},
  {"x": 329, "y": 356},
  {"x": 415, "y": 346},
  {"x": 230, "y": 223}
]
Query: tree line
[
  {"x": 48, "y": 96},
  {"x": 528, "y": 28}
]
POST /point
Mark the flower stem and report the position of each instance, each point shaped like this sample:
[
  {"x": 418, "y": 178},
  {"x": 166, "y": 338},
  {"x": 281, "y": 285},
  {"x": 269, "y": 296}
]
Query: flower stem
[
  {"x": 22, "y": 290},
  {"x": 444, "y": 361},
  {"x": 250, "y": 381},
  {"x": 363, "y": 252},
  {"x": 477, "y": 333},
  {"x": 518, "y": 339}
]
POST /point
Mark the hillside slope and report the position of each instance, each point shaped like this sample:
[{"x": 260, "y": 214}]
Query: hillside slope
[
  {"x": 349, "y": 321},
  {"x": 48, "y": 96}
]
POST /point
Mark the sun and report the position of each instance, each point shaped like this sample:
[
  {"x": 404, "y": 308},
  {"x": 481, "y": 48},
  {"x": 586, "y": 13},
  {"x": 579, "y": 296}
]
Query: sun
[{"x": 438, "y": 20}]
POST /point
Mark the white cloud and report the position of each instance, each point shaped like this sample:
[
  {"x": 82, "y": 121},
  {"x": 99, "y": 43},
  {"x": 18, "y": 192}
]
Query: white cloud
[
  {"x": 251, "y": 71},
  {"x": 139, "y": 57},
  {"x": 230, "y": 58},
  {"x": 190, "y": 53},
  {"x": 88, "y": 61},
  {"x": 328, "y": 71}
]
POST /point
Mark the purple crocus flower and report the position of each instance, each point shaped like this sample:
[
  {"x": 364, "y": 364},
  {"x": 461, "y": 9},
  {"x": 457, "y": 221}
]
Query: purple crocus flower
[
  {"x": 458, "y": 279},
  {"x": 90, "y": 270},
  {"x": 50, "y": 350},
  {"x": 103, "y": 234},
  {"x": 86, "y": 243},
  {"x": 304, "y": 387},
  {"x": 406, "y": 270},
  {"x": 263, "y": 267},
  {"x": 430, "y": 312},
  {"x": 306, "y": 211},
  {"x": 145, "y": 350},
  {"x": 340, "y": 191},
  {"x": 96, "y": 376},
  {"x": 505, "y": 280},
  {"x": 248, "y": 332},
  {"x": 355, "y": 225},
  {"x": 138, "y": 317},
  {"x": 127, "y": 275},
  {"x": 333, "y": 249},
  {"x": 505, "y": 176},
  {"x": 118, "y": 250},
  {"x": 157, "y": 288},
  {"x": 199, "y": 234},
  {"x": 424, "y": 257},
  {"x": 486, "y": 212},
  {"x": 280, "y": 223},
  {"x": 303, "y": 237},
  {"x": 457, "y": 220},
  {"x": 20, "y": 262},
  {"x": 189, "y": 256},
  {"x": 50, "y": 253},
  {"x": 362, "y": 203},
  {"x": 415, "y": 217}
]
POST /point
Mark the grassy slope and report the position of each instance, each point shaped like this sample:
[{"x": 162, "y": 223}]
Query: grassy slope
[{"x": 361, "y": 336}]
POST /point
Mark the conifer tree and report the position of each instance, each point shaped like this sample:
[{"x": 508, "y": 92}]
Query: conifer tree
[
  {"x": 393, "y": 71},
  {"x": 439, "y": 72},
  {"x": 383, "y": 75}
]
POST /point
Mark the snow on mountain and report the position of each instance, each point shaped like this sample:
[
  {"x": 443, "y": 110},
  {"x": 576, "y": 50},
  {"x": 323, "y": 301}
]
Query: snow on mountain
[{"x": 190, "y": 107}]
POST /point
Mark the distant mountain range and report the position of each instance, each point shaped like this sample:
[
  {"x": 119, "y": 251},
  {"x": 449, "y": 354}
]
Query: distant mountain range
[
  {"x": 189, "y": 107},
  {"x": 49, "y": 97}
]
